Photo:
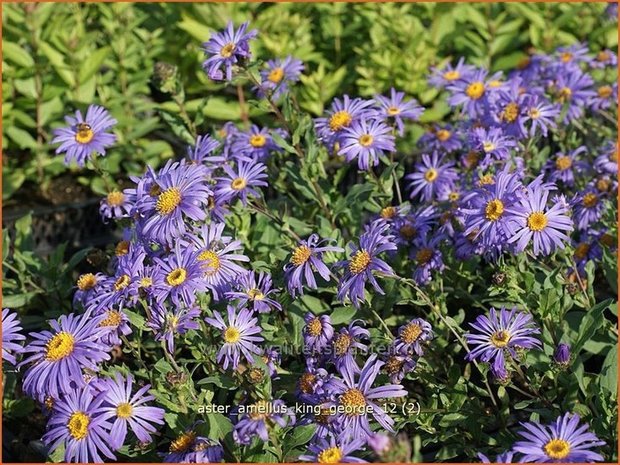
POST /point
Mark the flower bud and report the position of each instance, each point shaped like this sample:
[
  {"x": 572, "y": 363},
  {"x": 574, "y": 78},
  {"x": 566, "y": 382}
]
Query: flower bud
[{"x": 561, "y": 356}]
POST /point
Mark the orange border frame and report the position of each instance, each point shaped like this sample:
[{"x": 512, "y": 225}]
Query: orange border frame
[{"x": 305, "y": 1}]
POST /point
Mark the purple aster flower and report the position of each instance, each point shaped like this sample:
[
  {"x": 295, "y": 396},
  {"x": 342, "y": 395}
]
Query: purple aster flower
[
  {"x": 487, "y": 216},
  {"x": 541, "y": 115},
  {"x": 179, "y": 276},
  {"x": 333, "y": 450},
  {"x": 504, "y": 457},
  {"x": 499, "y": 334},
  {"x": 201, "y": 152},
  {"x": 188, "y": 447},
  {"x": 277, "y": 76},
  {"x": 314, "y": 385},
  {"x": 607, "y": 162},
  {"x": 240, "y": 183},
  {"x": 341, "y": 115},
  {"x": 427, "y": 257},
  {"x": 115, "y": 205},
  {"x": 88, "y": 285},
  {"x": 346, "y": 345},
  {"x": 167, "y": 324},
  {"x": 355, "y": 400},
  {"x": 547, "y": 227},
  {"x": 574, "y": 89},
  {"x": 408, "y": 228},
  {"x": 255, "y": 292},
  {"x": 306, "y": 259},
  {"x": 431, "y": 178},
  {"x": 564, "y": 441},
  {"x": 397, "y": 109},
  {"x": 77, "y": 422},
  {"x": 569, "y": 56},
  {"x": 612, "y": 11},
  {"x": 588, "y": 208},
  {"x": 509, "y": 108},
  {"x": 318, "y": 332},
  {"x": 129, "y": 410},
  {"x": 471, "y": 91},
  {"x": 115, "y": 324},
  {"x": 271, "y": 357},
  {"x": 239, "y": 335},
  {"x": 85, "y": 136},
  {"x": 366, "y": 140},
  {"x": 177, "y": 194},
  {"x": 10, "y": 334},
  {"x": 226, "y": 49},
  {"x": 254, "y": 420},
  {"x": 216, "y": 255},
  {"x": 561, "y": 355},
  {"x": 398, "y": 364},
  {"x": 564, "y": 166},
  {"x": 606, "y": 97},
  {"x": 412, "y": 336},
  {"x": 364, "y": 261},
  {"x": 441, "y": 138},
  {"x": 494, "y": 143},
  {"x": 58, "y": 357},
  {"x": 122, "y": 288},
  {"x": 605, "y": 58},
  {"x": 447, "y": 75},
  {"x": 255, "y": 144}
]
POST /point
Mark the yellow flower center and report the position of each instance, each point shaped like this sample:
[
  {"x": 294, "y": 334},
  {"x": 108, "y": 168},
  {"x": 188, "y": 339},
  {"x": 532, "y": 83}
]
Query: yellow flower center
[
  {"x": 276, "y": 75},
  {"x": 454, "y": 196},
  {"x": 393, "y": 365},
  {"x": 495, "y": 83},
  {"x": 475, "y": 90},
  {"x": 231, "y": 335},
  {"x": 537, "y": 221},
  {"x": 113, "y": 318},
  {"x": 443, "y": 135},
  {"x": 122, "y": 282},
  {"x": 565, "y": 94},
  {"x": 183, "y": 442},
  {"x": 168, "y": 200},
  {"x": 407, "y": 231},
  {"x": 86, "y": 281},
  {"x": 301, "y": 255},
  {"x": 314, "y": 327},
  {"x": 227, "y": 50},
  {"x": 431, "y": 174},
  {"x": 511, "y": 112},
  {"x": 566, "y": 57},
  {"x": 500, "y": 339},
  {"x": 388, "y": 212},
  {"x": 342, "y": 344},
  {"x": 353, "y": 402},
  {"x": 124, "y": 410},
  {"x": 605, "y": 91},
  {"x": 255, "y": 294},
  {"x": 393, "y": 111},
  {"x": 557, "y": 449},
  {"x": 471, "y": 159},
  {"x": 602, "y": 184},
  {"x": 603, "y": 56},
  {"x": 339, "y": 120},
  {"x": 306, "y": 383},
  {"x": 84, "y": 133},
  {"x": 258, "y": 140},
  {"x": 494, "y": 210},
  {"x": 59, "y": 346},
  {"x": 211, "y": 261},
  {"x": 122, "y": 248},
  {"x": 331, "y": 455},
  {"x": 488, "y": 146},
  {"x": 451, "y": 75},
  {"x": 176, "y": 277},
  {"x": 260, "y": 410},
  {"x": 590, "y": 200},
  {"x": 411, "y": 333},
  {"x": 534, "y": 113},
  {"x": 423, "y": 256},
  {"x": 115, "y": 198},
  {"x": 78, "y": 425},
  {"x": 486, "y": 180},
  {"x": 613, "y": 156},
  {"x": 563, "y": 163},
  {"x": 147, "y": 281},
  {"x": 581, "y": 251},
  {"x": 366, "y": 140},
  {"x": 238, "y": 184},
  {"x": 359, "y": 262}
]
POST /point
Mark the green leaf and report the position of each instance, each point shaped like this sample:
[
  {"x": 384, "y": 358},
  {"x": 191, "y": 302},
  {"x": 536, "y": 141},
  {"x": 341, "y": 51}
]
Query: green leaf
[
  {"x": 16, "y": 54},
  {"x": 342, "y": 315},
  {"x": 609, "y": 372},
  {"x": 93, "y": 63}
]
